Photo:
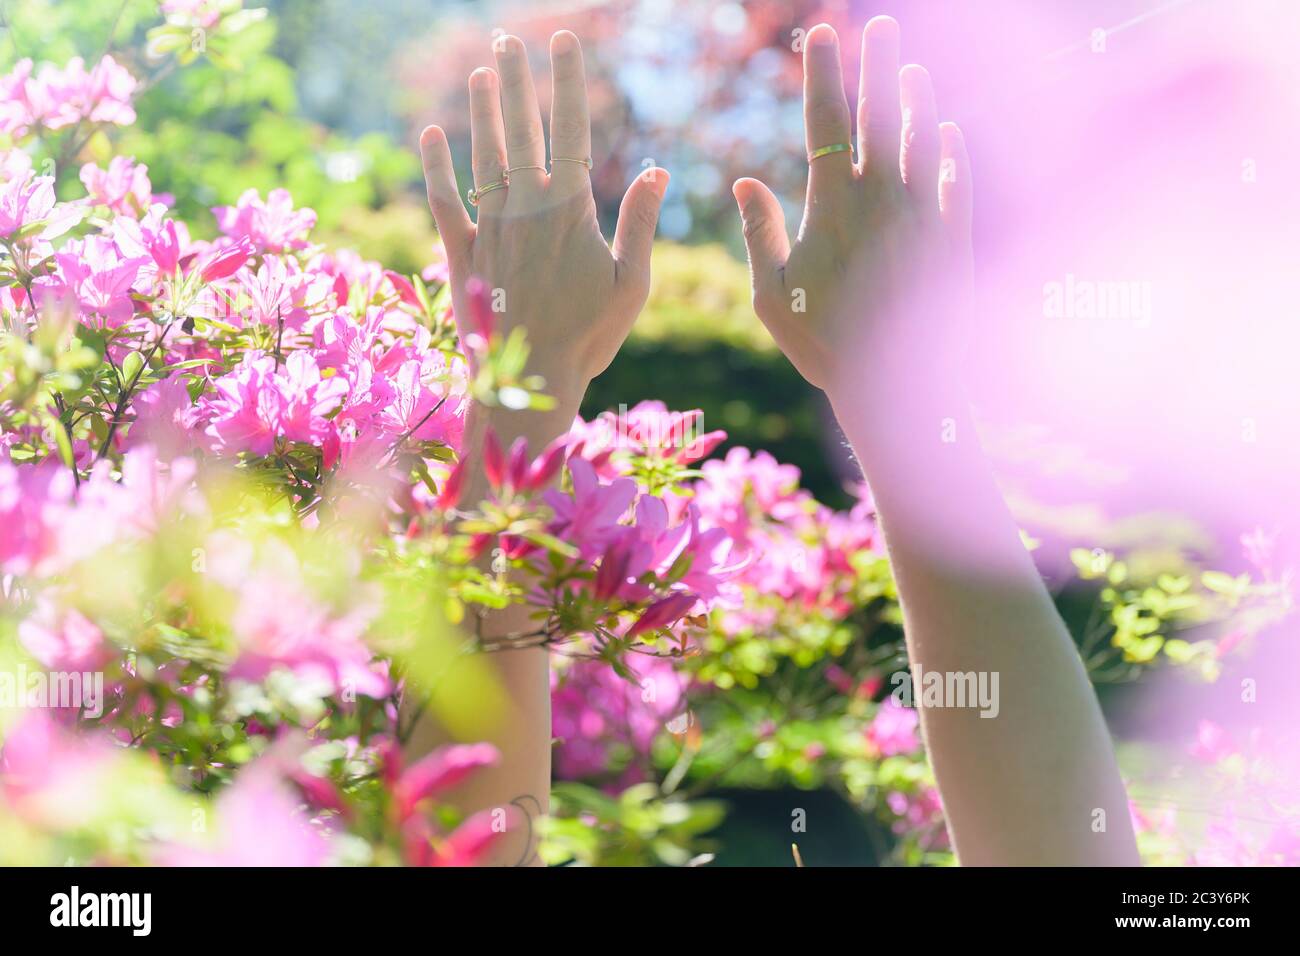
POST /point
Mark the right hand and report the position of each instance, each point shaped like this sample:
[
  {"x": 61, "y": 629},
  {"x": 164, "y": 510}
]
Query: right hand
[{"x": 877, "y": 236}]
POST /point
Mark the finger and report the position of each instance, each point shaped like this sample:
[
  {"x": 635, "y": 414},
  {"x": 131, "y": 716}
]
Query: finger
[
  {"x": 570, "y": 120},
  {"x": 638, "y": 215},
  {"x": 825, "y": 110},
  {"x": 956, "y": 194},
  {"x": 525, "y": 143},
  {"x": 454, "y": 226},
  {"x": 879, "y": 117},
  {"x": 487, "y": 138},
  {"x": 919, "y": 162},
  {"x": 765, "y": 236}
]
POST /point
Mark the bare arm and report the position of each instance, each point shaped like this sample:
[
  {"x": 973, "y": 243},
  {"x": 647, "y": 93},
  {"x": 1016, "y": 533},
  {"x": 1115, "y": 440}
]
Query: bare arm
[
  {"x": 538, "y": 247},
  {"x": 860, "y": 303},
  {"x": 520, "y": 782}
]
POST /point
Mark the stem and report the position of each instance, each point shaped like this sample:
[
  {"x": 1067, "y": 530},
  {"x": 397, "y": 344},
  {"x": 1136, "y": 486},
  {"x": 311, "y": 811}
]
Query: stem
[{"x": 125, "y": 397}]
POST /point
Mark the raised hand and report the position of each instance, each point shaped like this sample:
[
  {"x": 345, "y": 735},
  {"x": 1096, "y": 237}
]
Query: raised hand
[
  {"x": 881, "y": 262},
  {"x": 537, "y": 239},
  {"x": 537, "y": 246},
  {"x": 876, "y": 233}
]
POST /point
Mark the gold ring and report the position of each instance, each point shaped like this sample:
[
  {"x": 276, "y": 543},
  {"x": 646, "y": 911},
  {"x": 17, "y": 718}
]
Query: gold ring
[
  {"x": 530, "y": 166},
  {"x": 585, "y": 161},
  {"x": 827, "y": 150},
  {"x": 474, "y": 195}
]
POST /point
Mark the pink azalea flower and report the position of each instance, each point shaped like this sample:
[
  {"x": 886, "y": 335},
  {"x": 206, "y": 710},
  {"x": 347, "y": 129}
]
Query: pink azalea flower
[
  {"x": 164, "y": 417},
  {"x": 152, "y": 236},
  {"x": 271, "y": 226},
  {"x": 280, "y": 624},
  {"x": 14, "y": 163},
  {"x": 594, "y": 712},
  {"x": 63, "y": 639},
  {"x": 32, "y": 499},
  {"x": 95, "y": 274},
  {"x": 225, "y": 260},
  {"x": 124, "y": 187},
  {"x": 307, "y": 398},
  {"x": 417, "y": 411},
  {"x": 893, "y": 731},
  {"x": 25, "y": 200},
  {"x": 259, "y": 823},
  {"x": 440, "y": 771},
  {"x": 149, "y": 493},
  {"x": 648, "y": 428},
  {"x": 664, "y": 613},
  {"x": 165, "y": 248},
  {"x": 17, "y": 112},
  {"x": 258, "y": 402},
  {"x": 244, "y": 414},
  {"x": 589, "y": 517},
  {"x": 921, "y": 811},
  {"x": 276, "y": 294},
  {"x": 53, "y": 778},
  {"x": 59, "y": 98},
  {"x": 1258, "y": 547}
]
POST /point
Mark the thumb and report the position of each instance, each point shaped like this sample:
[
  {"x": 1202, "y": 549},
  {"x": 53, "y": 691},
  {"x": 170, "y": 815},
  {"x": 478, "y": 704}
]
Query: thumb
[
  {"x": 764, "y": 226},
  {"x": 638, "y": 215}
]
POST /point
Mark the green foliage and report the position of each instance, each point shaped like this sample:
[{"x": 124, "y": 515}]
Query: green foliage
[
  {"x": 1144, "y": 605},
  {"x": 650, "y": 827},
  {"x": 700, "y": 295}
]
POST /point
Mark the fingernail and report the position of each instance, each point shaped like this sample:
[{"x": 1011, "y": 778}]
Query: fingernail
[
  {"x": 821, "y": 35},
  {"x": 882, "y": 28}
]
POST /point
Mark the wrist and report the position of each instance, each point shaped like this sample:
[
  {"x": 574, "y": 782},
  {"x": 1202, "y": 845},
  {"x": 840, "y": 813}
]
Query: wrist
[
  {"x": 565, "y": 381},
  {"x": 899, "y": 418},
  {"x": 538, "y": 426}
]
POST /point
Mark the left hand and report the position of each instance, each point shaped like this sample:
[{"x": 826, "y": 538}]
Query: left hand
[{"x": 537, "y": 243}]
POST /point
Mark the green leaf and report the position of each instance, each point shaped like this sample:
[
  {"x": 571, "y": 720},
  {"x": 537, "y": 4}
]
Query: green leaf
[{"x": 64, "y": 442}]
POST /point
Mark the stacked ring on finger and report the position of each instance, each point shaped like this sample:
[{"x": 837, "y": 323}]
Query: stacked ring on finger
[
  {"x": 474, "y": 195},
  {"x": 513, "y": 169},
  {"x": 584, "y": 161}
]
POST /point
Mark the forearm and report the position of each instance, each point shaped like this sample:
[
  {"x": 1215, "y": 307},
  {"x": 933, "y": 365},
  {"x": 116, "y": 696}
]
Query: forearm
[
  {"x": 1023, "y": 786},
  {"x": 520, "y": 782}
]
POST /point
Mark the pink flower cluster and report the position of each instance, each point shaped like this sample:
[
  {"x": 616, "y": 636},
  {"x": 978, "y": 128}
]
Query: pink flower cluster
[
  {"x": 26, "y": 200},
  {"x": 893, "y": 730},
  {"x": 271, "y": 226},
  {"x": 590, "y": 518},
  {"x": 596, "y": 715},
  {"x": 647, "y": 429},
  {"x": 43, "y": 517},
  {"x": 803, "y": 551},
  {"x": 55, "y": 98},
  {"x": 123, "y": 187},
  {"x": 781, "y": 544}
]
